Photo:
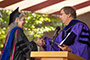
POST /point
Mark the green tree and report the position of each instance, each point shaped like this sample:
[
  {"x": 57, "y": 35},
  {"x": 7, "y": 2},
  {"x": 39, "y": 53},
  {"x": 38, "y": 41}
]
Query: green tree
[{"x": 36, "y": 25}]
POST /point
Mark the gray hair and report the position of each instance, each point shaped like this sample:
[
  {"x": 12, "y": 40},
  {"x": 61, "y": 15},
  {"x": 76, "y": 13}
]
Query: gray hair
[
  {"x": 14, "y": 24},
  {"x": 20, "y": 16}
]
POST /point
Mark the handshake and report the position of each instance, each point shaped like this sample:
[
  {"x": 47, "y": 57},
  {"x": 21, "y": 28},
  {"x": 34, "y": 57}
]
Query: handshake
[{"x": 40, "y": 42}]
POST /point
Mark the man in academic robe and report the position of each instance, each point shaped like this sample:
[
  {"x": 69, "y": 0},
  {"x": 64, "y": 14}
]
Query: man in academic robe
[{"x": 74, "y": 37}]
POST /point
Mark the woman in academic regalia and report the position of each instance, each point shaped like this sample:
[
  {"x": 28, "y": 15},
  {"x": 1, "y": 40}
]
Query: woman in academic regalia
[{"x": 17, "y": 46}]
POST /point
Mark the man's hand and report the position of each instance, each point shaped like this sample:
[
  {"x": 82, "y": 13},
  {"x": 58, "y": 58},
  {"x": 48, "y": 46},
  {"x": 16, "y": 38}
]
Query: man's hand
[{"x": 65, "y": 48}]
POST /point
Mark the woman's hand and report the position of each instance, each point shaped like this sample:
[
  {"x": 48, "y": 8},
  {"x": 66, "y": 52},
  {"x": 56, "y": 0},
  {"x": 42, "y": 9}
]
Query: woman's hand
[
  {"x": 40, "y": 42},
  {"x": 65, "y": 48}
]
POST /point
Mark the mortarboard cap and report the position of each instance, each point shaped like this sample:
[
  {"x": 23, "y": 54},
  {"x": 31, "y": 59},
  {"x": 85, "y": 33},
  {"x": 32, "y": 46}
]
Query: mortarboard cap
[{"x": 14, "y": 15}]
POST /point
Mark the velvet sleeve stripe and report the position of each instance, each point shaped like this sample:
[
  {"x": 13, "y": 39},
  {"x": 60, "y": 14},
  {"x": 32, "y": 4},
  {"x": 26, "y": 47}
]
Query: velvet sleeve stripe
[
  {"x": 84, "y": 36},
  {"x": 85, "y": 42},
  {"x": 84, "y": 39},
  {"x": 86, "y": 31}
]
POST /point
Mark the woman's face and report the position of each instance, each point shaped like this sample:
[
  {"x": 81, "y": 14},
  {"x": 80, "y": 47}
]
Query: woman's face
[{"x": 21, "y": 22}]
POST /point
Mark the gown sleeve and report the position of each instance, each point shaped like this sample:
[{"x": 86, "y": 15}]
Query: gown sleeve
[
  {"x": 79, "y": 47},
  {"x": 23, "y": 46},
  {"x": 55, "y": 45}
]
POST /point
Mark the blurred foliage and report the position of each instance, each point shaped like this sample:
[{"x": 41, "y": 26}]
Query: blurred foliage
[{"x": 36, "y": 25}]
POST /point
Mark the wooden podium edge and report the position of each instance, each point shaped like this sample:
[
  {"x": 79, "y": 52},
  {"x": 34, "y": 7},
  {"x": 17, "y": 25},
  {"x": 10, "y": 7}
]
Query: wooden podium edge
[
  {"x": 55, "y": 54},
  {"x": 49, "y": 54},
  {"x": 76, "y": 57}
]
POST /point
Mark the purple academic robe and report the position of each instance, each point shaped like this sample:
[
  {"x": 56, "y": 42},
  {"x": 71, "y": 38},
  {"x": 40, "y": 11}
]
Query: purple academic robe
[{"x": 81, "y": 43}]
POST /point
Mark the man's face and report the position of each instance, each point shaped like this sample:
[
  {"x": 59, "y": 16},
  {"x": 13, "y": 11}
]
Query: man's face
[{"x": 63, "y": 16}]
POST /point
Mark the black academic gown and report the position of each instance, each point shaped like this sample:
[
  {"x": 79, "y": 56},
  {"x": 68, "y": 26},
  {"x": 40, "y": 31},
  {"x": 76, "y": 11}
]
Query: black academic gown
[{"x": 23, "y": 46}]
